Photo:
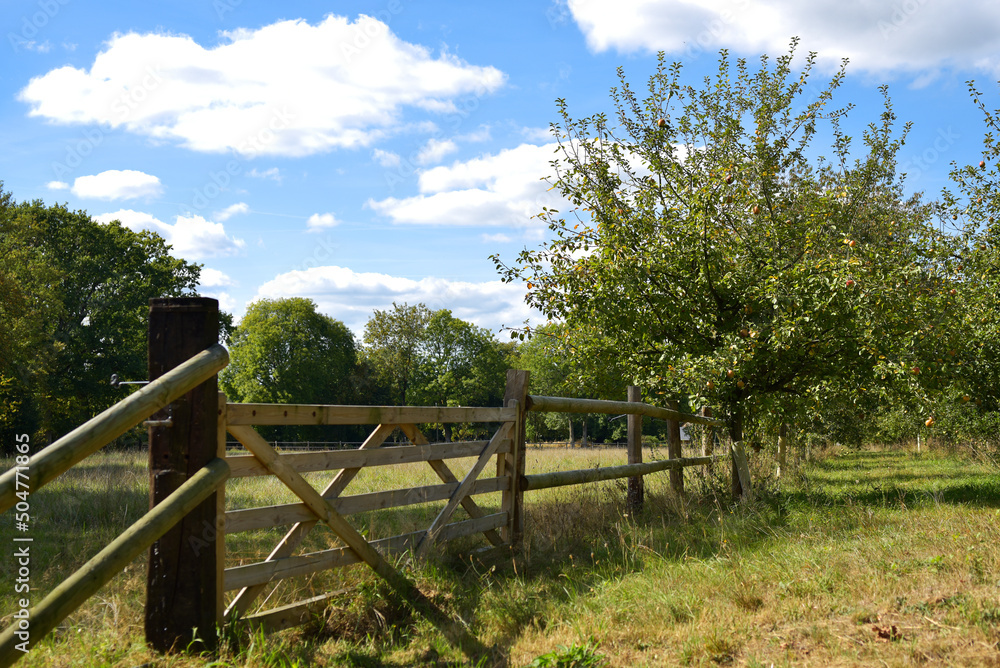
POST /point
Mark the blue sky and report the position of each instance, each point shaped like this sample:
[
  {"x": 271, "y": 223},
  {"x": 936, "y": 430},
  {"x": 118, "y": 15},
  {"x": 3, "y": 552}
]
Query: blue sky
[{"x": 365, "y": 153}]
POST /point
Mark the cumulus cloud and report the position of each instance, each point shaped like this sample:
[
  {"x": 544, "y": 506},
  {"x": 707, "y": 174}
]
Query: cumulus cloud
[
  {"x": 352, "y": 296},
  {"x": 231, "y": 210},
  {"x": 57, "y": 185},
  {"x": 434, "y": 150},
  {"x": 213, "y": 278},
  {"x": 320, "y": 221},
  {"x": 117, "y": 184},
  {"x": 492, "y": 190},
  {"x": 386, "y": 158},
  {"x": 192, "y": 237},
  {"x": 289, "y": 88},
  {"x": 876, "y": 36}
]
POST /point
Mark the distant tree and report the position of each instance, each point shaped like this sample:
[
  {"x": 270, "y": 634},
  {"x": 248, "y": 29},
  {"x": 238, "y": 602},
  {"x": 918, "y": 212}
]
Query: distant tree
[
  {"x": 284, "y": 351},
  {"x": 391, "y": 343},
  {"x": 458, "y": 364},
  {"x": 74, "y": 301}
]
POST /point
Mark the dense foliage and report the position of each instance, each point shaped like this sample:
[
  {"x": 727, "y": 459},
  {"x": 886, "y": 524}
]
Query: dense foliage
[
  {"x": 74, "y": 301},
  {"x": 727, "y": 263}
]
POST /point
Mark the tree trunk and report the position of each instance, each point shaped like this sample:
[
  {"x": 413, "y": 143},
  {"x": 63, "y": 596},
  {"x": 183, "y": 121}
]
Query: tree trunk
[
  {"x": 572, "y": 437},
  {"x": 782, "y": 447},
  {"x": 736, "y": 435},
  {"x": 447, "y": 431},
  {"x": 583, "y": 437}
]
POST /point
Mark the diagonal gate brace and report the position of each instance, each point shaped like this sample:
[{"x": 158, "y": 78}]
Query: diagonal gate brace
[{"x": 454, "y": 632}]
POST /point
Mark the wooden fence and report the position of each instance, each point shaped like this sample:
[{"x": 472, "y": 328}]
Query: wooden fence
[{"x": 187, "y": 524}]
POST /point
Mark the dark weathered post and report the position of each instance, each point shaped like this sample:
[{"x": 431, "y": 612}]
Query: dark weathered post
[
  {"x": 182, "y": 582},
  {"x": 512, "y": 463},
  {"x": 674, "y": 449},
  {"x": 636, "y": 494}
]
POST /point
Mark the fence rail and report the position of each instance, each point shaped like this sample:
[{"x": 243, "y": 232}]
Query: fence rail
[
  {"x": 570, "y": 405},
  {"x": 54, "y": 460},
  {"x": 581, "y": 476}
]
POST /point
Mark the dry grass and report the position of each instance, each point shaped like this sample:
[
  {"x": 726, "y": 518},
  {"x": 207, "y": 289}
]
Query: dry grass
[{"x": 818, "y": 571}]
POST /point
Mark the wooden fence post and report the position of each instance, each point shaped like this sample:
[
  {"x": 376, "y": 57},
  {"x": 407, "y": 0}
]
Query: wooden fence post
[
  {"x": 512, "y": 463},
  {"x": 636, "y": 494},
  {"x": 674, "y": 449},
  {"x": 182, "y": 588}
]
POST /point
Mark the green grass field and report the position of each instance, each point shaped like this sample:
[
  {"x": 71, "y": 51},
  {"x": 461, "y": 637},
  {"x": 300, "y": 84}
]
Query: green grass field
[{"x": 874, "y": 557}]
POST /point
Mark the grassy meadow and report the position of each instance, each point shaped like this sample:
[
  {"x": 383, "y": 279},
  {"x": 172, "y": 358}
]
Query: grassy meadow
[{"x": 872, "y": 557}]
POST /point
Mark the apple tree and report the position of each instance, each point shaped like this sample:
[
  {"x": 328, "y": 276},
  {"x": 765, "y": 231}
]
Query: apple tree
[{"x": 729, "y": 262}]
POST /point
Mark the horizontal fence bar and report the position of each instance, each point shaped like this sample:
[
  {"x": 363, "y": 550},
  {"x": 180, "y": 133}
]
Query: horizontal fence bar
[
  {"x": 301, "y": 414},
  {"x": 250, "y": 519},
  {"x": 54, "y": 460},
  {"x": 581, "y": 476},
  {"x": 279, "y": 569},
  {"x": 569, "y": 405},
  {"x": 293, "y": 614},
  {"x": 85, "y": 582},
  {"x": 328, "y": 460}
]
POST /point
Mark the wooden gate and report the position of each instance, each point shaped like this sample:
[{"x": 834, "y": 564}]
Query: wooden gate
[{"x": 331, "y": 506}]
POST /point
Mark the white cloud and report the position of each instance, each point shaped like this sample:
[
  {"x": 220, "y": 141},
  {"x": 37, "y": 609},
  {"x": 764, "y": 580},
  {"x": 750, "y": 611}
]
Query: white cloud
[
  {"x": 117, "y": 184},
  {"x": 537, "y": 134},
  {"x": 274, "y": 174},
  {"x": 320, "y": 221},
  {"x": 501, "y": 189},
  {"x": 385, "y": 158},
  {"x": 192, "y": 237},
  {"x": 213, "y": 278},
  {"x": 351, "y": 296},
  {"x": 495, "y": 238},
  {"x": 226, "y": 301},
  {"x": 482, "y": 134},
  {"x": 231, "y": 210},
  {"x": 876, "y": 36},
  {"x": 289, "y": 88},
  {"x": 434, "y": 150},
  {"x": 57, "y": 185}
]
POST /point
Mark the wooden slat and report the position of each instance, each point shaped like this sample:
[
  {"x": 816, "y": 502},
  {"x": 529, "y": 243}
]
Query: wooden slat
[
  {"x": 463, "y": 491},
  {"x": 266, "y": 571},
  {"x": 273, "y": 414},
  {"x": 289, "y": 513},
  {"x": 327, "y": 460},
  {"x": 293, "y": 614},
  {"x": 569, "y": 405},
  {"x": 243, "y": 600},
  {"x": 469, "y": 504}
]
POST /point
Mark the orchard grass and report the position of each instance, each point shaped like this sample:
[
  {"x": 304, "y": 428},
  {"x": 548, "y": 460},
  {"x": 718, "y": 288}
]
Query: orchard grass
[{"x": 871, "y": 557}]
